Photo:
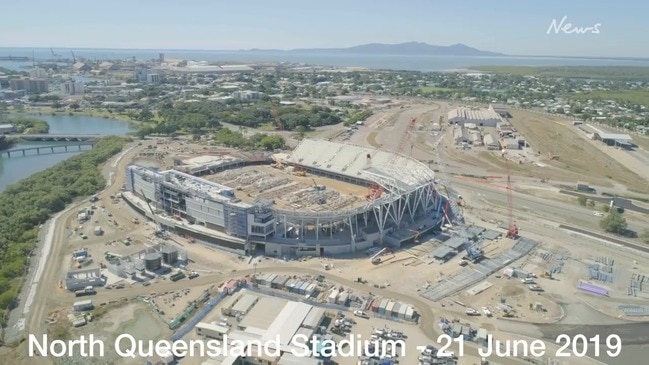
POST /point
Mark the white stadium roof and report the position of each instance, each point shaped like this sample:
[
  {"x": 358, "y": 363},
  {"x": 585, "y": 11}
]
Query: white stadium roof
[{"x": 403, "y": 172}]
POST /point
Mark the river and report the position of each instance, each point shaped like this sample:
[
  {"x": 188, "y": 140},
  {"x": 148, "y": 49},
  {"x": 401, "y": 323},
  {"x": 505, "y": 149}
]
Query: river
[{"x": 18, "y": 167}]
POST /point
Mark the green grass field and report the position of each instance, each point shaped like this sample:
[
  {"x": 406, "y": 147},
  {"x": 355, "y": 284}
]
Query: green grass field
[
  {"x": 639, "y": 97},
  {"x": 634, "y": 73},
  {"x": 432, "y": 89}
]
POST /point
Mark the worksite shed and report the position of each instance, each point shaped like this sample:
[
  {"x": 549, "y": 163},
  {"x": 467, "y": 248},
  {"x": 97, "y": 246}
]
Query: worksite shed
[
  {"x": 410, "y": 313},
  {"x": 388, "y": 308},
  {"x": 384, "y": 303},
  {"x": 303, "y": 287},
  {"x": 343, "y": 298},
  {"x": 83, "y": 305},
  {"x": 396, "y": 309},
  {"x": 333, "y": 296}
]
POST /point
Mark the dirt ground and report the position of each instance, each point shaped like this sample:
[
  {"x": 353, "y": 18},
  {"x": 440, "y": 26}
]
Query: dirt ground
[
  {"x": 285, "y": 197},
  {"x": 578, "y": 158}
]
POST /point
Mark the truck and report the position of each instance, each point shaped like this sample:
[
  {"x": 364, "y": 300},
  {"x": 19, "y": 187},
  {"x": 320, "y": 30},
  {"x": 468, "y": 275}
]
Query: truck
[
  {"x": 177, "y": 276},
  {"x": 89, "y": 290}
]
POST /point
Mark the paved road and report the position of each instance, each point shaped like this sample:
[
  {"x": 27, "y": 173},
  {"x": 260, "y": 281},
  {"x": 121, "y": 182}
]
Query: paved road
[
  {"x": 619, "y": 202},
  {"x": 619, "y": 241},
  {"x": 36, "y": 317},
  {"x": 550, "y": 209}
]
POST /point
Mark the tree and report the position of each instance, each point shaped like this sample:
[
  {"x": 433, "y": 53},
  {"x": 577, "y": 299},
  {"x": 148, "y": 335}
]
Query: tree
[
  {"x": 645, "y": 236},
  {"x": 614, "y": 222},
  {"x": 272, "y": 142},
  {"x": 582, "y": 200}
]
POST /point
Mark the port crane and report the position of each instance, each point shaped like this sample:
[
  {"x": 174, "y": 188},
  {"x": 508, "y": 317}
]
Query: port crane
[{"x": 158, "y": 228}]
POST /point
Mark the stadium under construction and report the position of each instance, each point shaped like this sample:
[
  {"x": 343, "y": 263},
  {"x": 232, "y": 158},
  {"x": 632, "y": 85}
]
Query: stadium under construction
[{"x": 324, "y": 198}]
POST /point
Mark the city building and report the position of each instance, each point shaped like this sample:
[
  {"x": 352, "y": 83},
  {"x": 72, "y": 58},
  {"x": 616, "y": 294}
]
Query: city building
[
  {"x": 479, "y": 117},
  {"x": 38, "y": 73},
  {"x": 73, "y": 87},
  {"x": 153, "y": 78},
  {"x": 29, "y": 85},
  {"x": 247, "y": 95}
]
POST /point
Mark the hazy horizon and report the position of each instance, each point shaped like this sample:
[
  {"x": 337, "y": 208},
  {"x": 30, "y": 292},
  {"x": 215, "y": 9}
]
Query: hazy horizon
[{"x": 510, "y": 27}]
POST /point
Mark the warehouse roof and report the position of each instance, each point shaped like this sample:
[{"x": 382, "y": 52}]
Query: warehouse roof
[
  {"x": 245, "y": 302},
  {"x": 472, "y": 114},
  {"x": 287, "y": 322},
  {"x": 615, "y": 136}
]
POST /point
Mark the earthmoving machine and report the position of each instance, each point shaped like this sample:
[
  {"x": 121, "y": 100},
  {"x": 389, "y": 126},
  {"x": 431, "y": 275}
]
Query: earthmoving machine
[{"x": 474, "y": 252}]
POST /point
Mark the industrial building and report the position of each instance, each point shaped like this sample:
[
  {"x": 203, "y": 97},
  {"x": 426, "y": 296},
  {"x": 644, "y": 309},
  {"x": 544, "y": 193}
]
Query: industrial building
[
  {"x": 500, "y": 109},
  {"x": 80, "y": 279},
  {"x": 241, "y": 306},
  {"x": 247, "y": 95},
  {"x": 272, "y": 318},
  {"x": 479, "y": 117},
  {"x": 613, "y": 139},
  {"x": 142, "y": 264},
  {"x": 29, "y": 85},
  {"x": 72, "y": 87},
  {"x": 400, "y": 191},
  {"x": 212, "y": 331}
]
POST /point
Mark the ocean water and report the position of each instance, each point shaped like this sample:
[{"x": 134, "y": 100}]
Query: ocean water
[{"x": 388, "y": 62}]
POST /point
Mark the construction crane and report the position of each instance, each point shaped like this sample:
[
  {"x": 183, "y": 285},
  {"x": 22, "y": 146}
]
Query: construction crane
[
  {"x": 158, "y": 229},
  {"x": 512, "y": 229},
  {"x": 474, "y": 252},
  {"x": 54, "y": 55},
  {"x": 74, "y": 58},
  {"x": 405, "y": 137}
]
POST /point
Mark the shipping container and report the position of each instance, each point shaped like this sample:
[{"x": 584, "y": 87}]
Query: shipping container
[
  {"x": 311, "y": 288},
  {"x": 395, "y": 310},
  {"x": 388, "y": 308},
  {"x": 343, "y": 298},
  {"x": 333, "y": 296},
  {"x": 410, "y": 313},
  {"x": 384, "y": 303}
]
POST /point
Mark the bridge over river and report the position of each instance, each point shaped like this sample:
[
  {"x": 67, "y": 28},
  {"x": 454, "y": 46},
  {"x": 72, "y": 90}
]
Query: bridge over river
[
  {"x": 62, "y": 148},
  {"x": 58, "y": 137}
]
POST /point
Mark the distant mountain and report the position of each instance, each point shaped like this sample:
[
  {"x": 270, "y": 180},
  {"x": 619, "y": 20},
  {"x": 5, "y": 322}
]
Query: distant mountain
[{"x": 408, "y": 48}]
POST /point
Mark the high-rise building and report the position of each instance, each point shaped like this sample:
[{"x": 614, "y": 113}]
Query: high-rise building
[
  {"x": 161, "y": 57},
  {"x": 38, "y": 73},
  {"x": 29, "y": 85},
  {"x": 153, "y": 78},
  {"x": 72, "y": 87}
]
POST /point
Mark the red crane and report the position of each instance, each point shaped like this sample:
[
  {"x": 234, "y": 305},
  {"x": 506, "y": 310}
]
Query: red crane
[
  {"x": 512, "y": 230},
  {"x": 405, "y": 137}
]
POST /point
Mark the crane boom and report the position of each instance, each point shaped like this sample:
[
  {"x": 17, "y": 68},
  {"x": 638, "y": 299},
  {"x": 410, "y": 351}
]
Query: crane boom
[{"x": 153, "y": 215}]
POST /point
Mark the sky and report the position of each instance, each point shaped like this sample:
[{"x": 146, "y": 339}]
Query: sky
[{"x": 513, "y": 27}]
